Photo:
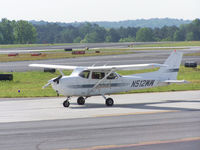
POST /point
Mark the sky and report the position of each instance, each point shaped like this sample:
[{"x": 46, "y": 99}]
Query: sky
[{"x": 98, "y": 10}]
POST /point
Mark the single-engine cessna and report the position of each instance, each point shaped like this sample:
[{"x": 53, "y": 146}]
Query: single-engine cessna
[{"x": 103, "y": 80}]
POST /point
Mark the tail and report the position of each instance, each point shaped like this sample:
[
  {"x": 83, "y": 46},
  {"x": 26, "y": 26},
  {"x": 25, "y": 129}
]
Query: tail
[
  {"x": 173, "y": 64},
  {"x": 168, "y": 73}
]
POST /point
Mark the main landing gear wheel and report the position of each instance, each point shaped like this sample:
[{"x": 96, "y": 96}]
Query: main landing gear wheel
[
  {"x": 109, "y": 102},
  {"x": 81, "y": 100},
  {"x": 66, "y": 103}
]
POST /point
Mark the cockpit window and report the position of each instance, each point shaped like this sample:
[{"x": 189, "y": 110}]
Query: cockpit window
[
  {"x": 112, "y": 76},
  {"x": 98, "y": 75},
  {"x": 85, "y": 74}
]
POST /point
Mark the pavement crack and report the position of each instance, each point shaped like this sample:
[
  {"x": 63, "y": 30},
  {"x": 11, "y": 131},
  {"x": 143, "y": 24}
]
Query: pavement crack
[{"x": 39, "y": 145}]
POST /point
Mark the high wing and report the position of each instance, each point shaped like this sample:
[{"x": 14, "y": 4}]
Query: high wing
[
  {"x": 126, "y": 67},
  {"x": 105, "y": 68},
  {"x": 53, "y": 66}
]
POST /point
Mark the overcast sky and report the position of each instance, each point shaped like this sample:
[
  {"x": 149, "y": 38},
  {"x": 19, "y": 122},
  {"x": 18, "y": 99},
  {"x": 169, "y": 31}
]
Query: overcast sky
[{"x": 98, "y": 10}]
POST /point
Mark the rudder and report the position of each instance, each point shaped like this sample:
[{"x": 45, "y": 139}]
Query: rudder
[{"x": 173, "y": 64}]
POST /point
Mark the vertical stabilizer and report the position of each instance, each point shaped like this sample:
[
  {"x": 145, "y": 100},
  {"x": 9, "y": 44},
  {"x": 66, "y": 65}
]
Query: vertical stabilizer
[{"x": 173, "y": 64}]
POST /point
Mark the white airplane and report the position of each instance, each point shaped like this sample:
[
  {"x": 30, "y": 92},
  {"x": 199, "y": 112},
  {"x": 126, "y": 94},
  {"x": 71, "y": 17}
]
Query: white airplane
[{"x": 103, "y": 80}]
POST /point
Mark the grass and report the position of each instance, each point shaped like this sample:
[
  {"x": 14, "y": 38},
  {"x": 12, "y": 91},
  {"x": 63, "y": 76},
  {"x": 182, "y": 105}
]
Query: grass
[
  {"x": 171, "y": 44},
  {"x": 193, "y": 54},
  {"x": 167, "y": 44},
  {"x": 32, "y": 45},
  {"x": 30, "y": 83}
]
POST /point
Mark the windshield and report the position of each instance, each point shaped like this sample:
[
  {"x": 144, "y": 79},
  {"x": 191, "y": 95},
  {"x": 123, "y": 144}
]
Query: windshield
[
  {"x": 112, "y": 76},
  {"x": 85, "y": 74}
]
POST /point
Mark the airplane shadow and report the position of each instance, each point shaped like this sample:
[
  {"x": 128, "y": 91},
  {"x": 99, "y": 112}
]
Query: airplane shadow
[{"x": 142, "y": 105}]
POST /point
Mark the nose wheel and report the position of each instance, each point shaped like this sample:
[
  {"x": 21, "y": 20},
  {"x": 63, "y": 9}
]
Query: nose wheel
[{"x": 66, "y": 103}]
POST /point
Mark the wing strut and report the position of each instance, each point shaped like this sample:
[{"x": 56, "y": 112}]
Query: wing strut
[{"x": 111, "y": 71}]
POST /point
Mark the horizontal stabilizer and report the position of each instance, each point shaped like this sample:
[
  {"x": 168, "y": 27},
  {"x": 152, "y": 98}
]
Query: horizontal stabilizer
[{"x": 175, "y": 81}]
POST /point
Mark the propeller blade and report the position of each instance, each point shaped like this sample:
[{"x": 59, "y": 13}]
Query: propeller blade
[
  {"x": 57, "y": 79},
  {"x": 52, "y": 80},
  {"x": 46, "y": 85}
]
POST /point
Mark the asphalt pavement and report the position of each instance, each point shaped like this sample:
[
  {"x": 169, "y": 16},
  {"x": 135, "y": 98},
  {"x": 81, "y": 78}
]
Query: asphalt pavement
[
  {"x": 74, "y": 46},
  {"x": 166, "y": 121}
]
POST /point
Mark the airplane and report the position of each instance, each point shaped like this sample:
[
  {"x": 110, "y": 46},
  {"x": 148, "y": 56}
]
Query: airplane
[{"x": 90, "y": 81}]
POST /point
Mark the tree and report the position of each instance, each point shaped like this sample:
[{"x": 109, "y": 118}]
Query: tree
[
  {"x": 49, "y": 33},
  {"x": 91, "y": 37},
  {"x": 180, "y": 34},
  {"x": 7, "y": 31},
  {"x": 1, "y": 38},
  {"x": 113, "y": 35},
  {"x": 24, "y": 32},
  {"x": 77, "y": 40},
  {"x": 193, "y": 30},
  {"x": 67, "y": 35},
  {"x": 144, "y": 35},
  {"x": 84, "y": 29},
  {"x": 189, "y": 36},
  {"x": 128, "y": 39}
]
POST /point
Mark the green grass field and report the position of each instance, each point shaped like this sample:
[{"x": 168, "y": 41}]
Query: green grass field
[
  {"x": 31, "y": 45},
  {"x": 171, "y": 44},
  {"x": 30, "y": 83},
  {"x": 167, "y": 44}
]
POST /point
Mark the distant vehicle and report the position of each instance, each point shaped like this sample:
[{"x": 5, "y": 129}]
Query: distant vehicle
[{"x": 90, "y": 81}]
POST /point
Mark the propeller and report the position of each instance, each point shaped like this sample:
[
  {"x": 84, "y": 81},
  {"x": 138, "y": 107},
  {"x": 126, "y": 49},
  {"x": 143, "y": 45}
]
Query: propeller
[
  {"x": 53, "y": 80},
  {"x": 57, "y": 79}
]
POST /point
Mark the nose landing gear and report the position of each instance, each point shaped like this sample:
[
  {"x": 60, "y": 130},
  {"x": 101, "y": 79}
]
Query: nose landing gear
[{"x": 66, "y": 103}]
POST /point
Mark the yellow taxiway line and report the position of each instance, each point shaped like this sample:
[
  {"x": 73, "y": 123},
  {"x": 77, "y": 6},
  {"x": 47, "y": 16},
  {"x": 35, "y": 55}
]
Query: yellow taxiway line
[
  {"x": 137, "y": 113},
  {"x": 138, "y": 144}
]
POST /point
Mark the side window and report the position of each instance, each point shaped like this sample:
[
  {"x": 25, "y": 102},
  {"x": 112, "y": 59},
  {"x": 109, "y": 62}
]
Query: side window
[
  {"x": 85, "y": 74},
  {"x": 112, "y": 76},
  {"x": 98, "y": 75}
]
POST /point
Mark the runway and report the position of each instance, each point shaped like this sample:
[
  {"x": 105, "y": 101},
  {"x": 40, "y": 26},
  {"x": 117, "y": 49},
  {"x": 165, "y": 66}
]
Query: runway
[
  {"x": 138, "y": 57},
  {"x": 168, "y": 120},
  {"x": 73, "y": 46}
]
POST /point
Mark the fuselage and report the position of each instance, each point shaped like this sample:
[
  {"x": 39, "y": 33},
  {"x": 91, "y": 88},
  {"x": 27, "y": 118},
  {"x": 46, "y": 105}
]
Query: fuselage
[{"x": 85, "y": 86}]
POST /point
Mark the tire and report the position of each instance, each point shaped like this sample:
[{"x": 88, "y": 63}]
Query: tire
[
  {"x": 66, "y": 103},
  {"x": 109, "y": 102},
  {"x": 8, "y": 77},
  {"x": 81, "y": 101},
  {"x": 191, "y": 64}
]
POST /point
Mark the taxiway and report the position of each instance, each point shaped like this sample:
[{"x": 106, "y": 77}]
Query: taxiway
[{"x": 168, "y": 120}]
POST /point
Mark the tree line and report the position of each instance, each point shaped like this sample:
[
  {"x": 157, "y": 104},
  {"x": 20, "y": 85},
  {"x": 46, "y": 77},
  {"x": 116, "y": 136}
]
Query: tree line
[
  {"x": 17, "y": 32},
  {"x": 22, "y": 32}
]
